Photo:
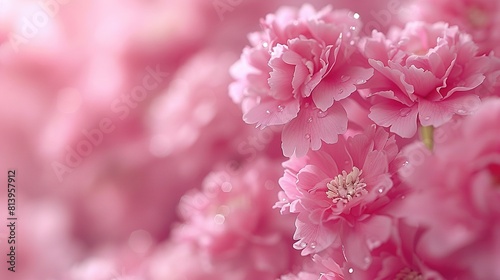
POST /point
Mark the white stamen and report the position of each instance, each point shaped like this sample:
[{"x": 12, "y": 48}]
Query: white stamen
[{"x": 346, "y": 186}]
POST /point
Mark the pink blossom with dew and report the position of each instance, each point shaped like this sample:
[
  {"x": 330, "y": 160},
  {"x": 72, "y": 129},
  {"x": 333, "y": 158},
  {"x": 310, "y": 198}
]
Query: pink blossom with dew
[
  {"x": 296, "y": 71},
  {"x": 455, "y": 198},
  {"x": 424, "y": 71},
  {"x": 338, "y": 192}
]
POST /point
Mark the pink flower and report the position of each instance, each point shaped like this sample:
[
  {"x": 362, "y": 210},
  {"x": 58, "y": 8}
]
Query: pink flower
[
  {"x": 480, "y": 18},
  {"x": 455, "y": 198},
  {"x": 296, "y": 71},
  {"x": 231, "y": 224},
  {"x": 425, "y": 71},
  {"x": 337, "y": 193}
]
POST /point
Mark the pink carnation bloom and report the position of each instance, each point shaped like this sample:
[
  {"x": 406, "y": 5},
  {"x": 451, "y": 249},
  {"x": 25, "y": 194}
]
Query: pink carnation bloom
[
  {"x": 232, "y": 226},
  {"x": 455, "y": 198},
  {"x": 480, "y": 18},
  {"x": 295, "y": 72},
  {"x": 394, "y": 259},
  {"x": 425, "y": 71},
  {"x": 338, "y": 192}
]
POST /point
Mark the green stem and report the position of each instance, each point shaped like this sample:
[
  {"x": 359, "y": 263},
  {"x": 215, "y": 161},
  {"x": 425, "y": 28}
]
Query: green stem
[{"x": 427, "y": 134}]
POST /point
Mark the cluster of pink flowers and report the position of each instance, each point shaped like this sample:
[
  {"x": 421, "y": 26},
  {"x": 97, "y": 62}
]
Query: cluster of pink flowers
[
  {"x": 154, "y": 140},
  {"x": 375, "y": 200}
]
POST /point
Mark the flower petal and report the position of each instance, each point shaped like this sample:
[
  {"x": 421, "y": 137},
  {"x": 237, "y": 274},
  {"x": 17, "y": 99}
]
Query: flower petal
[{"x": 401, "y": 119}]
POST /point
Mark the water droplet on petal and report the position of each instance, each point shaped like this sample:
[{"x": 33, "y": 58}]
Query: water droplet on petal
[
  {"x": 404, "y": 112},
  {"x": 405, "y": 163},
  {"x": 265, "y": 44},
  {"x": 356, "y": 16},
  {"x": 352, "y": 28},
  {"x": 427, "y": 118},
  {"x": 313, "y": 245},
  {"x": 403, "y": 197},
  {"x": 219, "y": 219},
  {"x": 380, "y": 190},
  {"x": 307, "y": 136},
  {"x": 303, "y": 245},
  {"x": 352, "y": 42},
  {"x": 322, "y": 114},
  {"x": 461, "y": 111},
  {"x": 351, "y": 270},
  {"x": 372, "y": 244},
  {"x": 344, "y": 78},
  {"x": 310, "y": 119},
  {"x": 281, "y": 108},
  {"x": 268, "y": 112}
]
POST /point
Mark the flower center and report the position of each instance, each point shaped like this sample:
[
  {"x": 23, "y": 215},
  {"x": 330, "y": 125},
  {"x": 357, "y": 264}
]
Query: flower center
[
  {"x": 408, "y": 274},
  {"x": 346, "y": 186}
]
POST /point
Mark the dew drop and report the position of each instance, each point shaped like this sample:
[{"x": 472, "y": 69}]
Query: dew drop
[
  {"x": 372, "y": 244},
  {"x": 303, "y": 245},
  {"x": 356, "y": 16},
  {"x": 310, "y": 120},
  {"x": 268, "y": 112},
  {"x": 403, "y": 197},
  {"x": 219, "y": 219},
  {"x": 360, "y": 81},
  {"x": 344, "y": 78},
  {"x": 281, "y": 108},
  {"x": 405, "y": 163},
  {"x": 321, "y": 114},
  {"x": 351, "y": 270},
  {"x": 348, "y": 34},
  {"x": 352, "y": 28},
  {"x": 380, "y": 190},
  {"x": 404, "y": 112},
  {"x": 307, "y": 136},
  {"x": 352, "y": 43},
  {"x": 313, "y": 245},
  {"x": 461, "y": 111},
  {"x": 265, "y": 44},
  {"x": 427, "y": 118}
]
